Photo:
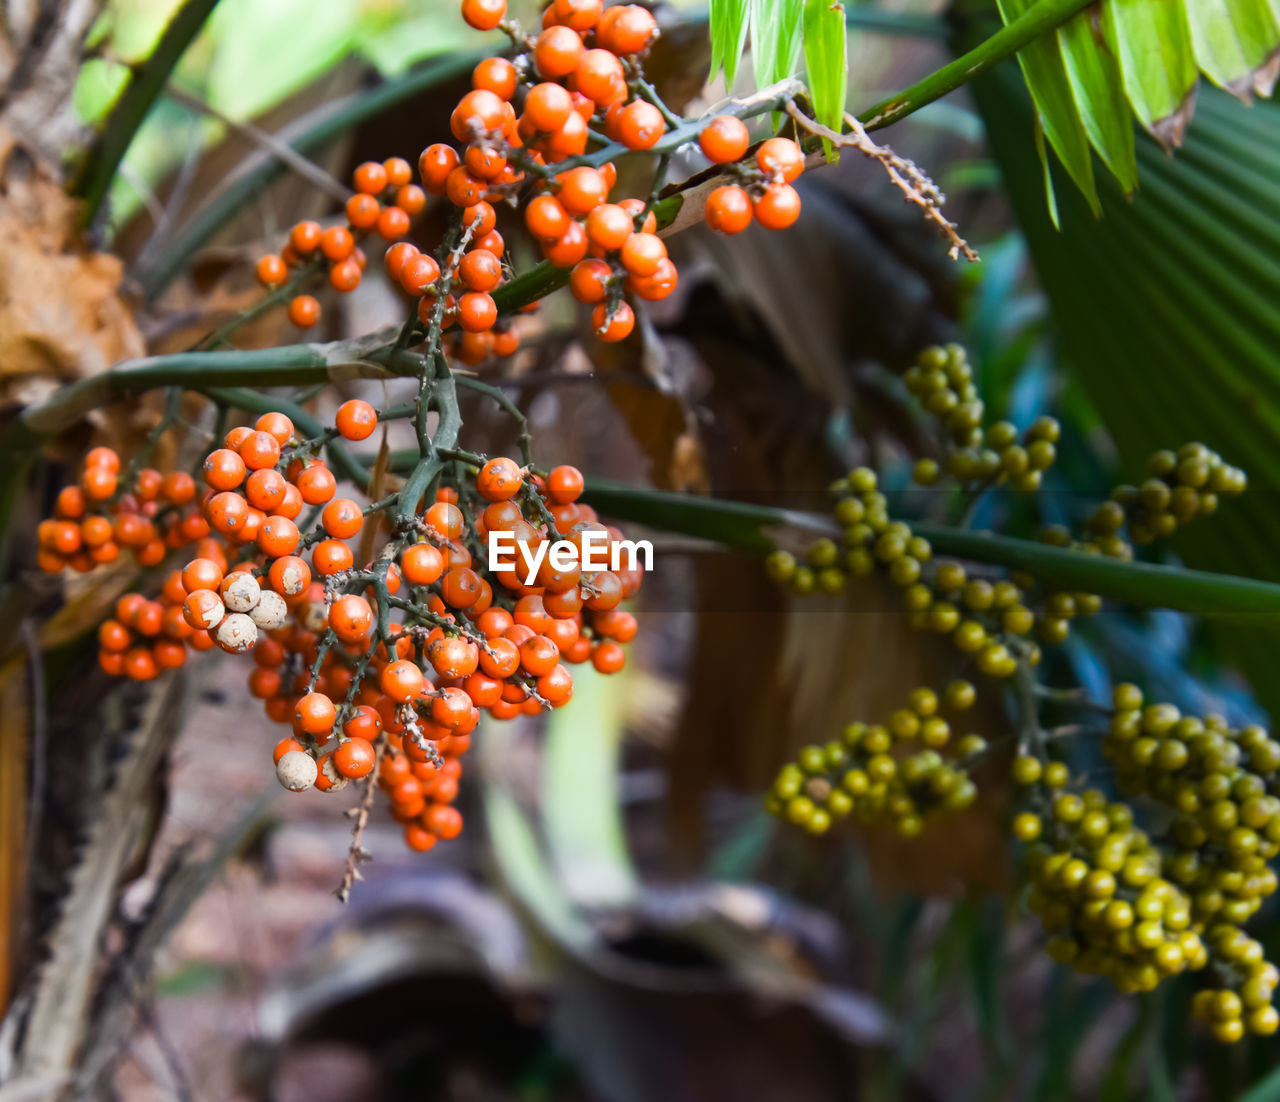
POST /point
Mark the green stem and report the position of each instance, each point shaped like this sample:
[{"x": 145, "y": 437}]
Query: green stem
[
  {"x": 757, "y": 528},
  {"x": 112, "y": 143},
  {"x": 1043, "y": 17}
]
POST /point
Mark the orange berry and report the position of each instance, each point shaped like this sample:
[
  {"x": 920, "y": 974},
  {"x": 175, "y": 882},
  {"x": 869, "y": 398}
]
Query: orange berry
[
  {"x": 305, "y": 237},
  {"x": 609, "y": 226},
  {"x": 477, "y": 311},
  {"x": 600, "y": 78},
  {"x": 418, "y": 273},
  {"x": 314, "y": 713},
  {"x": 331, "y": 557},
  {"x": 657, "y": 286},
  {"x": 278, "y": 425},
  {"x": 362, "y": 211},
  {"x": 272, "y": 270},
  {"x": 480, "y": 270},
  {"x": 434, "y": 165},
  {"x": 778, "y": 207},
  {"x": 613, "y": 327},
  {"x": 589, "y": 280},
  {"x": 581, "y": 190},
  {"x": 351, "y": 618},
  {"x": 356, "y": 420},
  {"x": 780, "y": 157},
  {"x": 394, "y": 258},
  {"x": 724, "y": 139},
  {"x": 445, "y": 519},
  {"x": 564, "y": 484},
  {"x": 265, "y": 489},
  {"x": 642, "y": 253},
  {"x": 337, "y": 243},
  {"x": 557, "y": 52},
  {"x": 463, "y": 189},
  {"x": 224, "y": 469},
  {"x": 496, "y": 75},
  {"x": 411, "y": 199},
  {"x": 579, "y": 15},
  {"x": 728, "y": 209},
  {"x": 342, "y": 518},
  {"x": 422, "y": 564},
  {"x": 478, "y": 112},
  {"x": 608, "y": 657},
  {"x": 370, "y": 178},
  {"x": 393, "y": 222},
  {"x": 354, "y": 758},
  {"x": 641, "y": 125},
  {"x": 289, "y": 576},
  {"x": 546, "y": 218},
  {"x": 480, "y": 218},
  {"x": 483, "y": 15},
  {"x": 259, "y": 451},
  {"x": 401, "y": 680},
  {"x": 278, "y": 536},
  {"x": 548, "y": 107},
  {"x": 626, "y": 29},
  {"x": 316, "y": 484},
  {"x": 304, "y": 311},
  {"x": 499, "y": 479}
]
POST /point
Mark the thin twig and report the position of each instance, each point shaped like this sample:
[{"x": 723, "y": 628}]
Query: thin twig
[
  {"x": 909, "y": 179},
  {"x": 357, "y": 854},
  {"x": 282, "y": 151}
]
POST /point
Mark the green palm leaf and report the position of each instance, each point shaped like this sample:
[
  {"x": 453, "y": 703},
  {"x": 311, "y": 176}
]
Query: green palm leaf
[{"x": 1168, "y": 311}]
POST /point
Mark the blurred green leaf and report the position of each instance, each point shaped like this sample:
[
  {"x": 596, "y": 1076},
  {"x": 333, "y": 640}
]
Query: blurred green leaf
[
  {"x": 1098, "y": 89},
  {"x": 1265, "y": 1090},
  {"x": 580, "y": 803},
  {"x": 775, "y": 38},
  {"x": 826, "y": 62},
  {"x": 265, "y": 51},
  {"x": 1153, "y": 44},
  {"x": 1046, "y": 77},
  {"x": 729, "y": 19}
]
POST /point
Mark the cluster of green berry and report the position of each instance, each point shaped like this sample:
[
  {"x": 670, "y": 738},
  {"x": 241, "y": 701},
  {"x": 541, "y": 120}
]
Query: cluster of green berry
[
  {"x": 1217, "y": 781},
  {"x": 983, "y": 618},
  {"x": 892, "y": 774},
  {"x": 1098, "y": 884},
  {"x": 1181, "y": 486},
  {"x": 942, "y": 381}
]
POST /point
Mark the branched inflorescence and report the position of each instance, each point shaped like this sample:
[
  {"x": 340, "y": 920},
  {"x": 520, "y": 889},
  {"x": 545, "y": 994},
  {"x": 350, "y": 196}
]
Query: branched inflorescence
[
  {"x": 382, "y": 661},
  {"x": 1134, "y": 903}
]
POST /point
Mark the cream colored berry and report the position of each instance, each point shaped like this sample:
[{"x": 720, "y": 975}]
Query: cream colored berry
[
  {"x": 296, "y": 771},
  {"x": 240, "y": 591},
  {"x": 236, "y": 634},
  {"x": 315, "y": 617},
  {"x": 270, "y": 612}
]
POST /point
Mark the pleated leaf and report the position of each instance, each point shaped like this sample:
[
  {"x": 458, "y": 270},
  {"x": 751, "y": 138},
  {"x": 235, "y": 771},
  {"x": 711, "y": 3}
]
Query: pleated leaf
[
  {"x": 1098, "y": 88},
  {"x": 1167, "y": 315}
]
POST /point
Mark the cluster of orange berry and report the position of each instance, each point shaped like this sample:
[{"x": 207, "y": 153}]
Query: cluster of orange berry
[
  {"x": 387, "y": 666},
  {"x": 93, "y": 521},
  {"x": 579, "y": 81}
]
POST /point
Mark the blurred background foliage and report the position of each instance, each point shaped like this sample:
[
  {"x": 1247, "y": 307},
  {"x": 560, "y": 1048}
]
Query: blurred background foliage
[{"x": 621, "y": 919}]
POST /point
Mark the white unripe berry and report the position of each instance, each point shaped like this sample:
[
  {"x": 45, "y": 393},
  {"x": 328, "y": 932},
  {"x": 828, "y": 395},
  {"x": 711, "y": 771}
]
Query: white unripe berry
[
  {"x": 240, "y": 591},
  {"x": 236, "y": 634},
  {"x": 270, "y": 612},
  {"x": 315, "y": 617},
  {"x": 296, "y": 771}
]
